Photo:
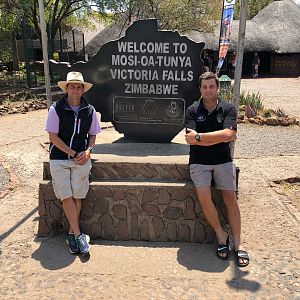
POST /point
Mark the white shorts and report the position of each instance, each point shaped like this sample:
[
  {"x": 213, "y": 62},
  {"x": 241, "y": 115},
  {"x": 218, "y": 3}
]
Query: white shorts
[
  {"x": 223, "y": 175},
  {"x": 70, "y": 179}
]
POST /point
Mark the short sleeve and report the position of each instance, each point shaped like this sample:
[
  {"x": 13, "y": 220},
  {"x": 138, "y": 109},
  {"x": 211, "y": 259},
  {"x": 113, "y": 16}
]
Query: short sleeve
[
  {"x": 190, "y": 118},
  {"x": 230, "y": 118},
  {"x": 95, "y": 126},
  {"x": 52, "y": 121}
]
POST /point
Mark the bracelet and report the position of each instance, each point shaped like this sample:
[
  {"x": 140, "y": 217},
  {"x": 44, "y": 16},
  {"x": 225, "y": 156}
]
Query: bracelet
[{"x": 90, "y": 149}]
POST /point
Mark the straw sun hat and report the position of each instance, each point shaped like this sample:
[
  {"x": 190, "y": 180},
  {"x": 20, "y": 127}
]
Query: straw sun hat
[{"x": 74, "y": 77}]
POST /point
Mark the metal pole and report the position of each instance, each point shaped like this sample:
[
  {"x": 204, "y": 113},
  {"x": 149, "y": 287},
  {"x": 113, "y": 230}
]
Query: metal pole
[
  {"x": 83, "y": 47},
  {"x": 240, "y": 53},
  {"x": 73, "y": 35},
  {"x": 217, "y": 71},
  {"x": 221, "y": 27},
  {"x": 239, "y": 60},
  {"x": 45, "y": 53},
  {"x": 61, "y": 44}
]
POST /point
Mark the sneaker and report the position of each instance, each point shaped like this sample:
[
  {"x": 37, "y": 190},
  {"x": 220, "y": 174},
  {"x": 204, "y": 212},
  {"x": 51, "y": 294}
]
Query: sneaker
[
  {"x": 83, "y": 243},
  {"x": 73, "y": 247}
]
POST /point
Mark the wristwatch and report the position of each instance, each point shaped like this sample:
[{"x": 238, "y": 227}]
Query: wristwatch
[
  {"x": 198, "y": 137},
  {"x": 90, "y": 149}
]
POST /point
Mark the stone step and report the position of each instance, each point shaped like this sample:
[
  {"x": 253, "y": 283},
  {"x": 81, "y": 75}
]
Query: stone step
[
  {"x": 162, "y": 171},
  {"x": 125, "y": 210},
  {"x": 102, "y": 170},
  {"x": 133, "y": 172},
  {"x": 139, "y": 191},
  {"x": 140, "y": 182}
]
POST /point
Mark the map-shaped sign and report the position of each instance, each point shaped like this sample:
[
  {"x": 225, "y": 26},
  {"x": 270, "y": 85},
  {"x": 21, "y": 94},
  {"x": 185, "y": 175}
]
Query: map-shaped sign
[{"x": 143, "y": 82}]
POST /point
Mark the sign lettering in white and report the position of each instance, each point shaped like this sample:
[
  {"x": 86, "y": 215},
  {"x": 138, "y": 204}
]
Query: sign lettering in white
[{"x": 157, "y": 65}]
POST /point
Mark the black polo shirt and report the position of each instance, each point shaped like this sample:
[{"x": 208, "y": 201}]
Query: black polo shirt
[{"x": 199, "y": 119}]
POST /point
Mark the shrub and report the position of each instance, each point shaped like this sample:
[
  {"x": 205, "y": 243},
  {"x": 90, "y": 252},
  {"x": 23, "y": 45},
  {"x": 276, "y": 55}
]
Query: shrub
[
  {"x": 253, "y": 100},
  {"x": 279, "y": 112},
  {"x": 226, "y": 95},
  {"x": 267, "y": 113}
]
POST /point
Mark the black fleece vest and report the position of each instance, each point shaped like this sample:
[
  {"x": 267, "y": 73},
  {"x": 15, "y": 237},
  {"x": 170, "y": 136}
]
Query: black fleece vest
[{"x": 73, "y": 127}]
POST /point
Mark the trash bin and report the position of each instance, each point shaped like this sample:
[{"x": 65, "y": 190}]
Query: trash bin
[{"x": 225, "y": 82}]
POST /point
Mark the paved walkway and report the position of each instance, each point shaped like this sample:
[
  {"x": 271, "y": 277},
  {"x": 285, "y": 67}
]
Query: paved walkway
[{"x": 42, "y": 268}]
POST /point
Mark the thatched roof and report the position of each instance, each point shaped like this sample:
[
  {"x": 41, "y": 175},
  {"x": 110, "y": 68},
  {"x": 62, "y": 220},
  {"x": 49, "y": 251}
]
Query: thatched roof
[
  {"x": 275, "y": 28},
  {"x": 255, "y": 40},
  {"x": 280, "y": 23},
  {"x": 78, "y": 35},
  {"x": 114, "y": 31},
  {"x": 90, "y": 34}
]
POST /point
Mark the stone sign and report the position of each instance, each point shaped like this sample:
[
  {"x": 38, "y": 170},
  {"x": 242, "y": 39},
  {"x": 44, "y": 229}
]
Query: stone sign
[{"x": 143, "y": 82}]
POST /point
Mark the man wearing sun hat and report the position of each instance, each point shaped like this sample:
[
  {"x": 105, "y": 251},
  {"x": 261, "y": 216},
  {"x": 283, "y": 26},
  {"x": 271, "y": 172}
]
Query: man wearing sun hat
[{"x": 72, "y": 126}]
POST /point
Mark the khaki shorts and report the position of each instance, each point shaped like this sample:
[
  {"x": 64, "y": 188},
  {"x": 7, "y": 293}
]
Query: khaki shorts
[
  {"x": 223, "y": 175},
  {"x": 70, "y": 179}
]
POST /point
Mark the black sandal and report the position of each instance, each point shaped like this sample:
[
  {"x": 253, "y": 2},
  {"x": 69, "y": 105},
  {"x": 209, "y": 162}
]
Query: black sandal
[
  {"x": 222, "y": 248},
  {"x": 241, "y": 254}
]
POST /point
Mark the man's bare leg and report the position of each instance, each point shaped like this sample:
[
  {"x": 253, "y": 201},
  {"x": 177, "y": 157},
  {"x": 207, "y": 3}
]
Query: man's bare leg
[
  {"x": 234, "y": 218},
  {"x": 78, "y": 208},
  {"x": 211, "y": 214},
  {"x": 70, "y": 210}
]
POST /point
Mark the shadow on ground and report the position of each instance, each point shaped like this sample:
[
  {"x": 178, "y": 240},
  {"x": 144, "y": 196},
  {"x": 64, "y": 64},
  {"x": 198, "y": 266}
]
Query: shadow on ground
[
  {"x": 7, "y": 233},
  {"x": 53, "y": 253},
  {"x": 199, "y": 257}
]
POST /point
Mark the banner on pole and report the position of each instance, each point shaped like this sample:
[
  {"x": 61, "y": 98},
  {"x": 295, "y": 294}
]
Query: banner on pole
[{"x": 225, "y": 31}]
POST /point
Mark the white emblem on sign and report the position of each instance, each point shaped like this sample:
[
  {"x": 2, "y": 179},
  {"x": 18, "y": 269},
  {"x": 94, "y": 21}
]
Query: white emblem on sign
[
  {"x": 149, "y": 108},
  {"x": 172, "y": 110}
]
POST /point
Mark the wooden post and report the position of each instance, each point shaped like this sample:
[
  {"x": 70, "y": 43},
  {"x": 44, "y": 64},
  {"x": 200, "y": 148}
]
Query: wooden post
[
  {"x": 45, "y": 52},
  {"x": 240, "y": 53},
  {"x": 239, "y": 60}
]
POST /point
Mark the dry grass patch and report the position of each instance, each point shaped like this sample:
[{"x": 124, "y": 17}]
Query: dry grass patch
[{"x": 291, "y": 188}]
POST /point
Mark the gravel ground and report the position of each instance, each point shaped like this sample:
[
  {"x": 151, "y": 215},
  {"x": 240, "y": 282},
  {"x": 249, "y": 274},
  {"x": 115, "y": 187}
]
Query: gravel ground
[
  {"x": 258, "y": 141},
  {"x": 3, "y": 178},
  {"x": 276, "y": 92}
]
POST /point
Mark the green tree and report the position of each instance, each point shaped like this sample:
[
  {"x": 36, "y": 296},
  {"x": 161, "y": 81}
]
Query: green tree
[
  {"x": 8, "y": 28},
  {"x": 254, "y": 7},
  {"x": 181, "y": 15},
  {"x": 57, "y": 13}
]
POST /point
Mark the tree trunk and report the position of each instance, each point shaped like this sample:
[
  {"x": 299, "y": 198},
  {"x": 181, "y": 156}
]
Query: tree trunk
[
  {"x": 15, "y": 55},
  {"x": 51, "y": 47}
]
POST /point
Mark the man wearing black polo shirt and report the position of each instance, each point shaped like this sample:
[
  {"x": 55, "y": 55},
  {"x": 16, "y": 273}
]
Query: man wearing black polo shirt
[{"x": 211, "y": 126}]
